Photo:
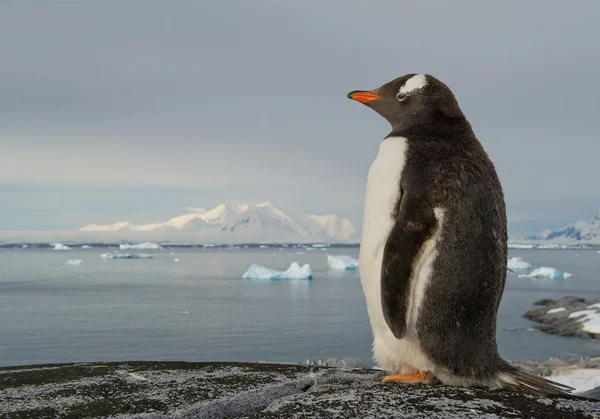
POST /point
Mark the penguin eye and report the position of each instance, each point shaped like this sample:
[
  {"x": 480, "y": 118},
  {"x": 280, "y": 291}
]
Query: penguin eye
[{"x": 402, "y": 97}]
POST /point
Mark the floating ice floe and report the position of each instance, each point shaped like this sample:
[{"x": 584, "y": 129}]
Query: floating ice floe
[
  {"x": 85, "y": 246},
  {"x": 60, "y": 246},
  {"x": 141, "y": 246},
  {"x": 321, "y": 245},
  {"x": 545, "y": 272},
  {"x": 342, "y": 262},
  {"x": 24, "y": 246},
  {"x": 125, "y": 256},
  {"x": 517, "y": 263},
  {"x": 263, "y": 246},
  {"x": 73, "y": 262},
  {"x": 295, "y": 271}
]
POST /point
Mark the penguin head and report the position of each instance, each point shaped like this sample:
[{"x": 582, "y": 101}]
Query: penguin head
[{"x": 410, "y": 100}]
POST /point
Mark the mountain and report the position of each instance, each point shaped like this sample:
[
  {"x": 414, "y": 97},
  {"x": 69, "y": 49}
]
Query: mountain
[
  {"x": 579, "y": 232},
  {"x": 240, "y": 223}
]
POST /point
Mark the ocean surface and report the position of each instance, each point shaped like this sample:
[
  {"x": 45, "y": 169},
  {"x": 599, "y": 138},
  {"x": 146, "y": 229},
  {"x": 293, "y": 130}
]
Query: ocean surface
[{"x": 200, "y": 308}]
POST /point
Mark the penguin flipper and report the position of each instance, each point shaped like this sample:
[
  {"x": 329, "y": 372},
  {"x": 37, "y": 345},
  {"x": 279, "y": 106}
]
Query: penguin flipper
[{"x": 415, "y": 224}]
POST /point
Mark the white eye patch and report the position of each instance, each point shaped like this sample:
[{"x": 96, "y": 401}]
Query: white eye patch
[{"x": 415, "y": 82}]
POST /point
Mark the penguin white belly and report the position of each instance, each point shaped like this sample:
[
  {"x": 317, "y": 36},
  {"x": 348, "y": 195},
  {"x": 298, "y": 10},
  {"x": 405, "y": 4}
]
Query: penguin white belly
[{"x": 383, "y": 188}]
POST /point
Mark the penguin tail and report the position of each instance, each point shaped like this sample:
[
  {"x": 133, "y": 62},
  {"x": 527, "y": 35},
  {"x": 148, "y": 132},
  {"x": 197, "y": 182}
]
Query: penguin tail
[{"x": 514, "y": 379}]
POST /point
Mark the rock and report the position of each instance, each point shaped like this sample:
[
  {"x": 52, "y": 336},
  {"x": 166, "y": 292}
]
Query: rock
[
  {"x": 553, "y": 316},
  {"x": 592, "y": 394},
  {"x": 157, "y": 390}
]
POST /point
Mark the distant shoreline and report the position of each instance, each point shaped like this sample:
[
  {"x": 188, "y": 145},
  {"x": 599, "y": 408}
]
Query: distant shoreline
[{"x": 167, "y": 244}]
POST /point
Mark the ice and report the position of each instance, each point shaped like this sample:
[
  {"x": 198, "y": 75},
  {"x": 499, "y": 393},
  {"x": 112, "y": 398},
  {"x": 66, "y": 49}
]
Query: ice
[
  {"x": 141, "y": 246},
  {"x": 125, "y": 256},
  {"x": 85, "y": 246},
  {"x": 556, "y": 310},
  {"x": 73, "y": 262},
  {"x": 176, "y": 260},
  {"x": 60, "y": 246},
  {"x": 520, "y": 246},
  {"x": 25, "y": 246},
  {"x": 517, "y": 263},
  {"x": 263, "y": 246},
  {"x": 295, "y": 271},
  {"x": 342, "y": 262},
  {"x": 581, "y": 379},
  {"x": 320, "y": 245},
  {"x": 545, "y": 272}
]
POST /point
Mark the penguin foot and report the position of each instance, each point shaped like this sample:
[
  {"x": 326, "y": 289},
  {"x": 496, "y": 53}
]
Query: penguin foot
[{"x": 421, "y": 377}]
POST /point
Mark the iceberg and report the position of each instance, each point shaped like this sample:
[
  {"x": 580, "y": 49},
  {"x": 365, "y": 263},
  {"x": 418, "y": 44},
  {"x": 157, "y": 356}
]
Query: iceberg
[
  {"x": 342, "y": 262},
  {"x": 545, "y": 272},
  {"x": 517, "y": 263},
  {"x": 60, "y": 246},
  {"x": 141, "y": 246},
  {"x": 73, "y": 262},
  {"x": 125, "y": 256},
  {"x": 295, "y": 271}
]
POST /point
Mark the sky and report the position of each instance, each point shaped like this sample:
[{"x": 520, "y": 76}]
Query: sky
[{"x": 132, "y": 110}]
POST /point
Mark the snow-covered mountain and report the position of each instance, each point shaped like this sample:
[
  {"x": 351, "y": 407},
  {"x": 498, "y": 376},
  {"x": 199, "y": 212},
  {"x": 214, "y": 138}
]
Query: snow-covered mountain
[
  {"x": 241, "y": 223},
  {"x": 579, "y": 232}
]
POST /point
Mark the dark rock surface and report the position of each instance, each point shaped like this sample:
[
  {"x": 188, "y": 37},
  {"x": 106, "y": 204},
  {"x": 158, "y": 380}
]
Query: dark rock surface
[
  {"x": 254, "y": 390},
  {"x": 558, "y": 321}
]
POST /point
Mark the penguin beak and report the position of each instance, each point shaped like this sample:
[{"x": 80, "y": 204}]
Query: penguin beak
[{"x": 363, "y": 96}]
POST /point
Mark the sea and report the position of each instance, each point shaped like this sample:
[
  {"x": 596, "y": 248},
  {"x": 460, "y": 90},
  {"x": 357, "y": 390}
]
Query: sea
[{"x": 191, "y": 304}]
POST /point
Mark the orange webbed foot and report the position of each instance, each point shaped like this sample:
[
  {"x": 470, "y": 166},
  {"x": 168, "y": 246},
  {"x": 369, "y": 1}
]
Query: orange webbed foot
[{"x": 421, "y": 377}]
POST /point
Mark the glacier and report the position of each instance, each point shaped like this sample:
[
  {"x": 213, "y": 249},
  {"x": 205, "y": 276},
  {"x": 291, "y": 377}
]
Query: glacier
[
  {"x": 141, "y": 246},
  {"x": 237, "y": 223},
  {"x": 547, "y": 273},
  {"x": 342, "y": 262},
  {"x": 295, "y": 271},
  {"x": 125, "y": 256},
  {"x": 516, "y": 263}
]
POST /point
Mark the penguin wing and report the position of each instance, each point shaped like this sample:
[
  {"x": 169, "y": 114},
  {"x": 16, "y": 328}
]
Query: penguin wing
[{"x": 415, "y": 224}]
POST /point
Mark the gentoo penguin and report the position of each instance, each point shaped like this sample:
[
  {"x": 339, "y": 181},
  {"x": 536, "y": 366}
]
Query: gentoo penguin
[{"x": 434, "y": 245}]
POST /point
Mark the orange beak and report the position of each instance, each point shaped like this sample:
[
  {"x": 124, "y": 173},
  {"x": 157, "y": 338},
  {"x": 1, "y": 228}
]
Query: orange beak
[{"x": 363, "y": 97}]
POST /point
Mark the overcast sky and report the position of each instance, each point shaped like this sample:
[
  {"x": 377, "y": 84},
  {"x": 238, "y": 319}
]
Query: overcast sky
[{"x": 133, "y": 110}]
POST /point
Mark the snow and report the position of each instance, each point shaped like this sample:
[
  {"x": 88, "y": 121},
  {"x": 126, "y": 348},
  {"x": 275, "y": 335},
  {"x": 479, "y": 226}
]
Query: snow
[
  {"x": 597, "y": 305},
  {"x": 342, "y": 262},
  {"x": 556, "y": 310},
  {"x": 415, "y": 82},
  {"x": 545, "y": 272},
  {"x": 73, "y": 262},
  {"x": 295, "y": 271},
  {"x": 581, "y": 379},
  {"x": 590, "y": 318},
  {"x": 141, "y": 246},
  {"x": 125, "y": 256},
  {"x": 60, "y": 246},
  {"x": 516, "y": 263},
  {"x": 241, "y": 223}
]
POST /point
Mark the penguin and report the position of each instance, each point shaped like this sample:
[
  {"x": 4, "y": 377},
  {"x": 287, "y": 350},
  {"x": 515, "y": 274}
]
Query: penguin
[{"x": 433, "y": 254}]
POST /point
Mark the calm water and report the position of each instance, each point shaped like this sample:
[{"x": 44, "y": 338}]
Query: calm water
[{"x": 199, "y": 309}]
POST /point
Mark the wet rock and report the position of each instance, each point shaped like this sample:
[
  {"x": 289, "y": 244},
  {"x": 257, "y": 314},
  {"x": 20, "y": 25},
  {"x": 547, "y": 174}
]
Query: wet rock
[
  {"x": 553, "y": 316},
  {"x": 254, "y": 390}
]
